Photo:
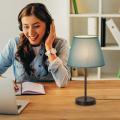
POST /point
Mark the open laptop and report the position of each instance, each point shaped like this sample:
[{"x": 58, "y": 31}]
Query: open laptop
[{"x": 8, "y": 102}]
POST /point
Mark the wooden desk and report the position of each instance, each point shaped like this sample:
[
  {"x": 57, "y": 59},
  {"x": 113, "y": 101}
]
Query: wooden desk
[{"x": 59, "y": 104}]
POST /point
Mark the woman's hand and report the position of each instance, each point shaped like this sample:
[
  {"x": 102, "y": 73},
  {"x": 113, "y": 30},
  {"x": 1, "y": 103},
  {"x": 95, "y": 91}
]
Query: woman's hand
[
  {"x": 51, "y": 37},
  {"x": 16, "y": 88}
]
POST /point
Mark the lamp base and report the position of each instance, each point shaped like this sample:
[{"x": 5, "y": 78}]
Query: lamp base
[{"x": 81, "y": 101}]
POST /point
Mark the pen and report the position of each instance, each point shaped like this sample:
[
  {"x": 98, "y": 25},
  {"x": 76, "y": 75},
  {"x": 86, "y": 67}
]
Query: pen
[{"x": 21, "y": 88}]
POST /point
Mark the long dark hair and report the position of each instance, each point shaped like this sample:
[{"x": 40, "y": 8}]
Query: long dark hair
[{"x": 25, "y": 53}]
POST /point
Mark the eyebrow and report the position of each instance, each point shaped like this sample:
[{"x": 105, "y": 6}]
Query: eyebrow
[{"x": 33, "y": 23}]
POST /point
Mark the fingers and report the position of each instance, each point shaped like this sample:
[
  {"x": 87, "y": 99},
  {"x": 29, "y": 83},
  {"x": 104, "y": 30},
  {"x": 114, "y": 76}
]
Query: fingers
[
  {"x": 16, "y": 87},
  {"x": 53, "y": 26},
  {"x": 52, "y": 30},
  {"x": 51, "y": 37}
]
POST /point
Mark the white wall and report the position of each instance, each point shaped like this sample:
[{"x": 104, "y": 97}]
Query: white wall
[{"x": 9, "y": 10}]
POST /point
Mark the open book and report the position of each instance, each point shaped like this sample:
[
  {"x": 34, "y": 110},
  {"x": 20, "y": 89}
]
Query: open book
[{"x": 27, "y": 88}]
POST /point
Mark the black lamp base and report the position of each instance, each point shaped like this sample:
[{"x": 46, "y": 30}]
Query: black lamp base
[{"x": 83, "y": 102}]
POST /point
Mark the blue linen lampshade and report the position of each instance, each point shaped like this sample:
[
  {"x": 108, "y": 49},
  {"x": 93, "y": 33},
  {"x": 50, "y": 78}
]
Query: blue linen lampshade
[{"x": 85, "y": 52}]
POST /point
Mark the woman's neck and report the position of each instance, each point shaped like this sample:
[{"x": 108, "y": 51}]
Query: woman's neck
[{"x": 35, "y": 45}]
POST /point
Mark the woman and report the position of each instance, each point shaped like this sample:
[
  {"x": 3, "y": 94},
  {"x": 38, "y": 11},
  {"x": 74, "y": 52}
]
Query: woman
[{"x": 37, "y": 55}]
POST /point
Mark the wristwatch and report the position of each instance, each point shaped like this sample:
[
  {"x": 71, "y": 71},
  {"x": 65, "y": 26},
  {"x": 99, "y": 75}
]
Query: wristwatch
[{"x": 51, "y": 52}]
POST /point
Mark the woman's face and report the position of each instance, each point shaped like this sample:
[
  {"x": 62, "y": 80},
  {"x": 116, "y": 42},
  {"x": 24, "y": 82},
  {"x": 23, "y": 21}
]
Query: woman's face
[{"x": 33, "y": 28}]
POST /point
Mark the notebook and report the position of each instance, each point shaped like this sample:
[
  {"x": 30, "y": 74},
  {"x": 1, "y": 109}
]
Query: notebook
[
  {"x": 30, "y": 88},
  {"x": 8, "y": 102}
]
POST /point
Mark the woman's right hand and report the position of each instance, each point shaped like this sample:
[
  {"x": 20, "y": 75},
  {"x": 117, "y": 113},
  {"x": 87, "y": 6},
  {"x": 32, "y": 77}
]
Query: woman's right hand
[{"x": 16, "y": 87}]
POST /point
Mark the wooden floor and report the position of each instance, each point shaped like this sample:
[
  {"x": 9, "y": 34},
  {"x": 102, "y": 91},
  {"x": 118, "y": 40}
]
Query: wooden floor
[{"x": 59, "y": 104}]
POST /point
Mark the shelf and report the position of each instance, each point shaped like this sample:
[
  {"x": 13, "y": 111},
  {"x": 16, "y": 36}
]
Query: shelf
[
  {"x": 111, "y": 6},
  {"x": 109, "y": 9},
  {"x": 84, "y": 15},
  {"x": 95, "y": 15},
  {"x": 109, "y": 76},
  {"x": 84, "y": 6},
  {"x": 91, "y": 76},
  {"x": 111, "y": 47},
  {"x": 110, "y": 15},
  {"x": 76, "y": 23}
]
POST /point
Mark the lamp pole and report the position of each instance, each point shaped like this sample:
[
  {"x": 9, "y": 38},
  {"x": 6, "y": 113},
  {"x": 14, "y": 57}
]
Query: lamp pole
[{"x": 85, "y": 85}]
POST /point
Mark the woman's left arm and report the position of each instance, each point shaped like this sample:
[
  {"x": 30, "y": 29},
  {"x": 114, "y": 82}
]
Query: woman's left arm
[{"x": 58, "y": 62}]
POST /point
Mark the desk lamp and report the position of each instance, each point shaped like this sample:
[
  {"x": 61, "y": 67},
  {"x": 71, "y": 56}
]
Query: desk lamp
[{"x": 85, "y": 53}]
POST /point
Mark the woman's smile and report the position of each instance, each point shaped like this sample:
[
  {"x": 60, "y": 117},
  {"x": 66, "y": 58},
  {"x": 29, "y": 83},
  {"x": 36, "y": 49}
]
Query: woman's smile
[{"x": 33, "y": 38}]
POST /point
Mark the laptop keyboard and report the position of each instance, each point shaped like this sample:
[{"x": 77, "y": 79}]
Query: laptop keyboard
[{"x": 19, "y": 106}]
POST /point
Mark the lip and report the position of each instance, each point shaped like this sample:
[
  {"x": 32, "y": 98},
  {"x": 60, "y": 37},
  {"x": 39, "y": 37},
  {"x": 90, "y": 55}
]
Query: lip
[{"x": 33, "y": 38}]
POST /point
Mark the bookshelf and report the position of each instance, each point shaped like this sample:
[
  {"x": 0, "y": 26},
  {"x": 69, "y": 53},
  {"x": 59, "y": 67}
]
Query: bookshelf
[{"x": 108, "y": 9}]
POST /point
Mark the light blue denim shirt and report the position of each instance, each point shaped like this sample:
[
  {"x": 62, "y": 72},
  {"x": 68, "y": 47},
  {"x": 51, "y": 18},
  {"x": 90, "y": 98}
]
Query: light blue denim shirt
[{"x": 57, "y": 70}]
